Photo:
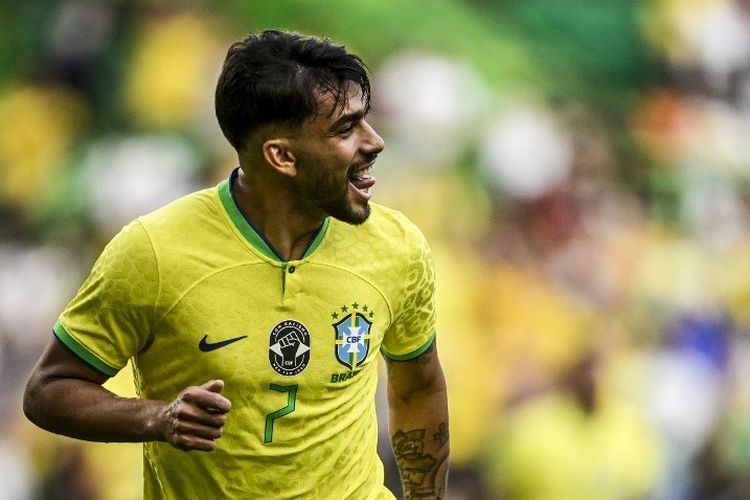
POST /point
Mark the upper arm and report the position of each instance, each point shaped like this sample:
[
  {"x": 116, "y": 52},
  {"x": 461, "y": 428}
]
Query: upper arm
[
  {"x": 58, "y": 362},
  {"x": 423, "y": 373}
]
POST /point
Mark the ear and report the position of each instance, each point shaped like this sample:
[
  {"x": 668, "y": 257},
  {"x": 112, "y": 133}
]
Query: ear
[{"x": 278, "y": 155}]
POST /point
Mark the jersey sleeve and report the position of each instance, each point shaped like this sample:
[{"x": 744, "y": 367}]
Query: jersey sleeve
[
  {"x": 110, "y": 318},
  {"x": 413, "y": 328}
]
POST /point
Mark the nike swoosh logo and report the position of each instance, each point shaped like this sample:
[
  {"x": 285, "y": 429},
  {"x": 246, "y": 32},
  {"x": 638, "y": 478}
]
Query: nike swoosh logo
[{"x": 205, "y": 346}]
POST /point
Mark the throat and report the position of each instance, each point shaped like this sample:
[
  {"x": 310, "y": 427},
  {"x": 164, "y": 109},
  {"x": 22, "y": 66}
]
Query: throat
[
  {"x": 292, "y": 245},
  {"x": 286, "y": 235}
]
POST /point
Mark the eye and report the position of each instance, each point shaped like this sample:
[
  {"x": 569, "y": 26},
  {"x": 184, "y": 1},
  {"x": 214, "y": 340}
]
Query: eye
[{"x": 348, "y": 128}]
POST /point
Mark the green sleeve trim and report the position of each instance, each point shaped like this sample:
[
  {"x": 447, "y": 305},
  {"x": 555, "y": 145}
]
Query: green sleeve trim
[
  {"x": 63, "y": 336},
  {"x": 414, "y": 354},
  {"x": 241, "y": 224}
]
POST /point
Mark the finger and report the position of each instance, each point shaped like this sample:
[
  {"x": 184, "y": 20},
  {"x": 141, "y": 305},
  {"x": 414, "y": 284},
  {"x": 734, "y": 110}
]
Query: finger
[
  {"x": 204, "y": 416},
  {"x": 187, "y": 442},
  {"x": 214, "y": 385},
  {"x": 207, "y": 399},
  {"x": 198, "y": 430}
]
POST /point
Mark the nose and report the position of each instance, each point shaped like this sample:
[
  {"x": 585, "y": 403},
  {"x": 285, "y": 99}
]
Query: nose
[{"x": 373, "y": 143}]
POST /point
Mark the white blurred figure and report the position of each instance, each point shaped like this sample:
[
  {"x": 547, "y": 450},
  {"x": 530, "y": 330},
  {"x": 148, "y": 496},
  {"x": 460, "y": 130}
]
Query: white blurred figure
[
  {"x": 526, "y": 151},
  {"x": 712, "y": 36},
  {"x": 127, "y": 177},
  {"x": 712, "y": 209},
  {"x": 431, "y": 106},
  {"x": 722, "y": 42},
  {"x": 16, "y": 482},
  {"x": 35, "y": 282}
]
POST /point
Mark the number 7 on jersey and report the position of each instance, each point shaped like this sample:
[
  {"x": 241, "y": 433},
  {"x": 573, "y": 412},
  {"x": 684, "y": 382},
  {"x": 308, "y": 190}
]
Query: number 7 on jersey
[{"x": 291, "y": 391}]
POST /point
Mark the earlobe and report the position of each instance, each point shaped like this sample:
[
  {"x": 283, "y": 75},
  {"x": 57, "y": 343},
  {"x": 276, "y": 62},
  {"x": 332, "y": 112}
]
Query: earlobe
[{"x": 278, "y": 155}]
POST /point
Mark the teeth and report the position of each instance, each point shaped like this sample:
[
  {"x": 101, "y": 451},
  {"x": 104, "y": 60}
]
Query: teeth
[
  {"x": 361, "y": 174},
  {"x": 364, "y": 171}
]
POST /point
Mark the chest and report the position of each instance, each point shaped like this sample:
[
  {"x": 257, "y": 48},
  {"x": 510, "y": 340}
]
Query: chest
[{"x": 316, "y": 326}]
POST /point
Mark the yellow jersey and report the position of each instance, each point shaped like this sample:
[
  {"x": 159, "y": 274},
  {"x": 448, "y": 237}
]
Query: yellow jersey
[{"x": 192, "y": 292}]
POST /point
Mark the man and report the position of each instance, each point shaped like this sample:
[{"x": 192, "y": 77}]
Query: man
[{"x": 253, "y": 311}]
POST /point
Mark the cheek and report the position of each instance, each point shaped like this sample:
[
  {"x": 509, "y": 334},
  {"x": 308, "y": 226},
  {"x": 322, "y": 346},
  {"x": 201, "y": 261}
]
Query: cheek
[
  {"x": 326, "y": 169},
  {"x": 342, "y": 153},
  {"x": 322, "y": 182}
]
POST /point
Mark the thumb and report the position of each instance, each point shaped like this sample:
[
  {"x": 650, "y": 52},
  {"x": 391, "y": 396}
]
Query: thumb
[{"x": 214, "y": 385}]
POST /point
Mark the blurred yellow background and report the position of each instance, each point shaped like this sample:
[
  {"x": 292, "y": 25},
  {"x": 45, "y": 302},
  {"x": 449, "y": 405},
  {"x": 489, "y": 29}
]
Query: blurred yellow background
[{"x": 581, "y": 170}]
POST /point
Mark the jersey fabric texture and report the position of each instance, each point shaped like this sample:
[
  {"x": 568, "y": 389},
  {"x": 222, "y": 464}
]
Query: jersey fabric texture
[{"x": 192, "y": 292}]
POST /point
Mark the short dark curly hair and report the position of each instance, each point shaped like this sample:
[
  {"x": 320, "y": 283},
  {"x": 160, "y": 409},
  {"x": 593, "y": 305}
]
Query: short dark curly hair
[{"x": 277, "y": 77}]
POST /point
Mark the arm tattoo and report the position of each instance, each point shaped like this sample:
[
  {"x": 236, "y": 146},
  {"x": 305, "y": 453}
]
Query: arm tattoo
[
  {"x": 441, "y": 436},
  {"x": 417, "y": 467}
]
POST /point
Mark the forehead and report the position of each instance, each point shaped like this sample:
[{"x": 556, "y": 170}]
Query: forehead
[{"x": 329, "y": 110}]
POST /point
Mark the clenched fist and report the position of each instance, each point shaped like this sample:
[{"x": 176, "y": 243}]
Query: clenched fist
[{"x": 195, "y": 419}]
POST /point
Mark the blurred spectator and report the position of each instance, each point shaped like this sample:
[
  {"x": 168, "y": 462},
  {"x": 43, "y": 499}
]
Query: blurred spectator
[
  {"x": 126, "y": 177},
  {"x": 579, "y": 440}
]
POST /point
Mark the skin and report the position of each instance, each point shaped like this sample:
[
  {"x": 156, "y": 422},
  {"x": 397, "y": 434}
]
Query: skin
[
  {"x": 290, "y": 179},
  {"x": 418, "y": 403},
  {"x": 64, "y": 395},
  {"x": 308, "y": 175}
]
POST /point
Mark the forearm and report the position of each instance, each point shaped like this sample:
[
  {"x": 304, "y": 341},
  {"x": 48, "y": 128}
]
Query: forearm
[
  {"x": 420, "y": 439},
  {"x": 85, "y": 410},
  {"x": 64, "y": 395}
]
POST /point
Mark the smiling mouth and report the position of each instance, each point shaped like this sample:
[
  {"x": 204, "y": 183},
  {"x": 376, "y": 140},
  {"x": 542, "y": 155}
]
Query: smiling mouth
[{"x": 362, "y": 180}]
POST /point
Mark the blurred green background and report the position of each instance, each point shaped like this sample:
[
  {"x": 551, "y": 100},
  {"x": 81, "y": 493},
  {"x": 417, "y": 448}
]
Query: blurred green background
[{"x": 580, "y": 169}]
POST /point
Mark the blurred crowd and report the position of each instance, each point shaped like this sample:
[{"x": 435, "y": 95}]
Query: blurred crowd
[{"x": 587, "y": 203}]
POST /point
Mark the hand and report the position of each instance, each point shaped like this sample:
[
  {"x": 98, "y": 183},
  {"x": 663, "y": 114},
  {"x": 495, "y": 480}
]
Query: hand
[{"x": 195, "y": 420}]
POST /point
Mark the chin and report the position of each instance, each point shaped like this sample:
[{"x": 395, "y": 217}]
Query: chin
[{"x": 351, "y": 215}]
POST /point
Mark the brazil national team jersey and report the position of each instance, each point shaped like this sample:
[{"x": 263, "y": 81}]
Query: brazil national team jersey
[{"x": 192, "y": 292}]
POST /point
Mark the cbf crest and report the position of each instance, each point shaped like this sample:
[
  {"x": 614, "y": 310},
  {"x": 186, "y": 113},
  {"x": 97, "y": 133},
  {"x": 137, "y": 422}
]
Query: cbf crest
[{"x": 352, "y": 334}]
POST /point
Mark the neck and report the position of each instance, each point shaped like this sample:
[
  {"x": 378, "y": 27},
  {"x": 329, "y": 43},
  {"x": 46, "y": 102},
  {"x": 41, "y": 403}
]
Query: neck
[{"x": 270, "y": 206}]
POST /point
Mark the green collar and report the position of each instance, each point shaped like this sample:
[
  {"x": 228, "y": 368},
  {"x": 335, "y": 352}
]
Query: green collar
[{"x": 252, "y": 235}]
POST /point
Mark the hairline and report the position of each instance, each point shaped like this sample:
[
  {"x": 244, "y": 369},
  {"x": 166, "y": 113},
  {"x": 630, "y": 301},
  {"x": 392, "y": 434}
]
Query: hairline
[{"x": 340, "y": 100}]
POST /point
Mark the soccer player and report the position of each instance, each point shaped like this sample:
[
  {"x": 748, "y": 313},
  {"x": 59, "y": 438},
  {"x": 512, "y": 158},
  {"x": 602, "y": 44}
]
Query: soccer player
[{"x": 253, "y": 311}]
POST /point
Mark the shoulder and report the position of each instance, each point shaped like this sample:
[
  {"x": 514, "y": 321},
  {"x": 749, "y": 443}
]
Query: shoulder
[
  {"x": 384, "y": 248},
  {"x": 194, "y": 219},
  {"x": 390, "y": 228},
  {"x": 189, "y": 226},
  {"x": 201, "y": 202}
]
